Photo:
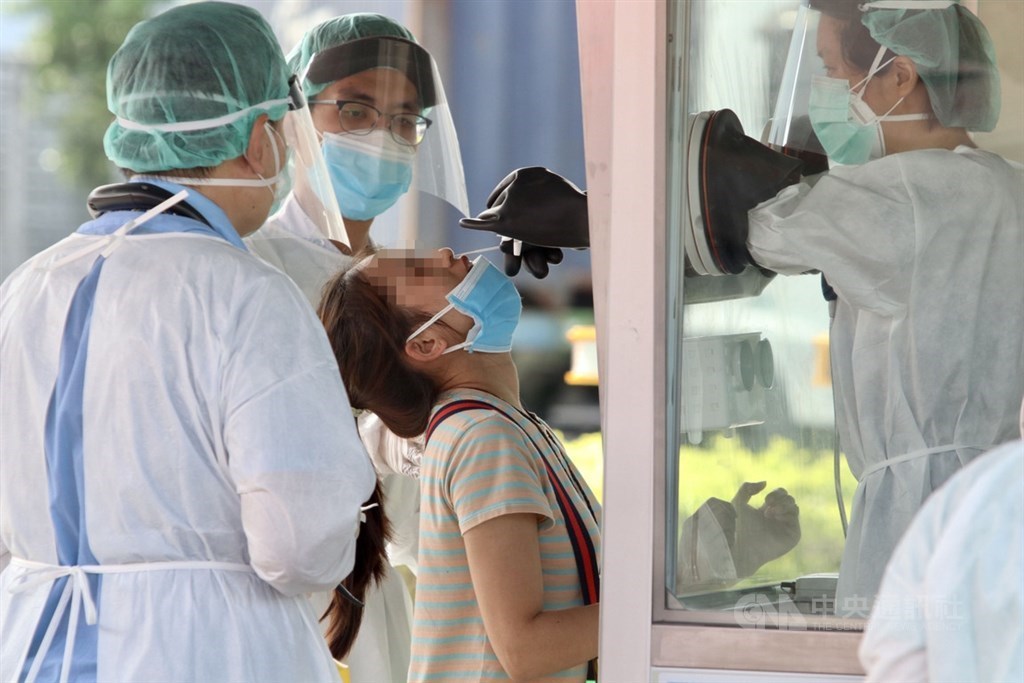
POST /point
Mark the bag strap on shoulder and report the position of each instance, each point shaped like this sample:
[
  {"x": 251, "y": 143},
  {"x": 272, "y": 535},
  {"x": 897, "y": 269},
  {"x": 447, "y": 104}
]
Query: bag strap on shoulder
[{"x": 582, "y": 545}]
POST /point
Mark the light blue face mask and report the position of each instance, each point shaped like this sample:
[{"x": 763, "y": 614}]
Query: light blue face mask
[
  {"x": 368, "y": 172},
  {"x": 849, "y": 131},
  {"x": 490, "y": 298}
]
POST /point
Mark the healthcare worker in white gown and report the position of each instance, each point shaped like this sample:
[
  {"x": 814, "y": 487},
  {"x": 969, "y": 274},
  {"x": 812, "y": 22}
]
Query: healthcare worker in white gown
[
  {"x": 380, "y": 112},
  {"x": 174, "y": 478},
  {"x": 951, "y": 605},
  {"x": 921, "y": 234}
]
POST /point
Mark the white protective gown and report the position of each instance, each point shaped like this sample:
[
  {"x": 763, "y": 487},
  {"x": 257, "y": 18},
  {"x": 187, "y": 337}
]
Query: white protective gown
[
  {"x": 925, "y": 251},
  {"x": 951, "y": 605},
  {"x": 292, "y": 242},
  {"x": 210, "y": 485}
]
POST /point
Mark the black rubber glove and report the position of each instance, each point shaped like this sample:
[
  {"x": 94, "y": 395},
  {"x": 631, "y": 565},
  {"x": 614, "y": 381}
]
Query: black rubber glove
[
  {"x": 536, "y": 258},
  {"x": 537, "y": 207}
]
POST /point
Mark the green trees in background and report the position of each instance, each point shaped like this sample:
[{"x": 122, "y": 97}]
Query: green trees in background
[{"x": 70, "y": 50}]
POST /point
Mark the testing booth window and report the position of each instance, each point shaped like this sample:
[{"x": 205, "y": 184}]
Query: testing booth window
[{"x": 752, "y": 509}]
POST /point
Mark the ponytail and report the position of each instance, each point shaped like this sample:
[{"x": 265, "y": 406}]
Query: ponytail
[{"x": 344, "y": 615}]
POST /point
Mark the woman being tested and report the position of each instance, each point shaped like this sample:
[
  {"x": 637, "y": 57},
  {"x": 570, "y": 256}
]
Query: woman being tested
[{"x": 509, "y": 531}]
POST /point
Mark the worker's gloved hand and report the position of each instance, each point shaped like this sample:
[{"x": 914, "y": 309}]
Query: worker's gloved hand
[
  {"x": 536, "y": 258},
  {"x": 765, "y": 533},
  {"x": 537, "y": 207}
]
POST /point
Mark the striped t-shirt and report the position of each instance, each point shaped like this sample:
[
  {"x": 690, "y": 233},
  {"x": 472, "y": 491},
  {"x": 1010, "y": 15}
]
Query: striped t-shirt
[{"x": 476, "y": 467}]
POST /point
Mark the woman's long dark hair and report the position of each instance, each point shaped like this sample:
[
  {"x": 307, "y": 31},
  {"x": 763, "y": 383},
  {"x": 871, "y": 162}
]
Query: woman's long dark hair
[
  {"x": 344, "y": 615},
  {"x": 367, "y": 332}
]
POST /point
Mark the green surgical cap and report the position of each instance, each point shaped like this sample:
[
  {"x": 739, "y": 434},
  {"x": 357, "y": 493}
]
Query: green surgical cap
[
  {"x": 953, "y": 53},
  {"x": 338, "y": 31},
  {"x": 187, "y": 86}
]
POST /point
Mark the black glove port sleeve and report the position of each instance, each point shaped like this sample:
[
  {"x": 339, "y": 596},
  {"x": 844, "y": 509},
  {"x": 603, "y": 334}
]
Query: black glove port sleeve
[
  {"x": 538, "y": 207},
  {"x": 536, "y": 259}
]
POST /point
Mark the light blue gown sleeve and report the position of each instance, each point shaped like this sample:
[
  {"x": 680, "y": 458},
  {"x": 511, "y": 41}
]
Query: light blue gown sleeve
[{"x": 856, "y": 225}]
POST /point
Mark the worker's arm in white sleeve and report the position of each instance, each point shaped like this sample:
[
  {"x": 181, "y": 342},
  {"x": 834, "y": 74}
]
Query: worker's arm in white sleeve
[
  {"x": 855, "y": 224},
  {"x": 293, "y": 451}
]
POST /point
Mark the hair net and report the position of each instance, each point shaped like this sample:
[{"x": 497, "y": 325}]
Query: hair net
[
  {"x": 187, "y": 85},
  {"x": 340, "y": 31},
  {"x": 953, "y": 53}
]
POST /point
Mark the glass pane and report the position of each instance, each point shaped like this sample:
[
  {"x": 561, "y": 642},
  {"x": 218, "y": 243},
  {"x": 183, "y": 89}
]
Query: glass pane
[{"x": 750, "y": 408}]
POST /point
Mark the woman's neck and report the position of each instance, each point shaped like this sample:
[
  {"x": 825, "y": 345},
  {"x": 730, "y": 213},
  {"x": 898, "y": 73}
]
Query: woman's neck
[{"x": 492, "y": 373}]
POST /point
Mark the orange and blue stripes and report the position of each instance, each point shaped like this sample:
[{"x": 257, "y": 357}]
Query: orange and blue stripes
[{"x": 484, "y": 459}]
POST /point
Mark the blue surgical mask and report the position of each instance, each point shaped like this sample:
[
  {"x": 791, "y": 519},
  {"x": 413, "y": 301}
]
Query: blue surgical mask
[
  {"x": 368, "y": 172},
  {"x": 490, "y": 298},
  {"x": 849, "y": 131}
]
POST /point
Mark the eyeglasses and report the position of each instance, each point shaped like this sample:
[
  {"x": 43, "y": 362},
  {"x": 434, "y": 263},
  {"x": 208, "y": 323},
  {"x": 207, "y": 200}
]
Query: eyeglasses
[{"x": 360, "y": 118}]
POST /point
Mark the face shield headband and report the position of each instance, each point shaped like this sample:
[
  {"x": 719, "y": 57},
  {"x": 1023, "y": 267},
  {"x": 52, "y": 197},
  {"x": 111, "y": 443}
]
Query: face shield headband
[{"x": 390, "y": 52}]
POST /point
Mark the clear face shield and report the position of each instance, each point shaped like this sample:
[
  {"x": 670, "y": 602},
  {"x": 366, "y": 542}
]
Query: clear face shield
[
  {"x": 385, "y": 125},
  {"x": 791, "y": 131},
  {"x": 312, "y": 182}
]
